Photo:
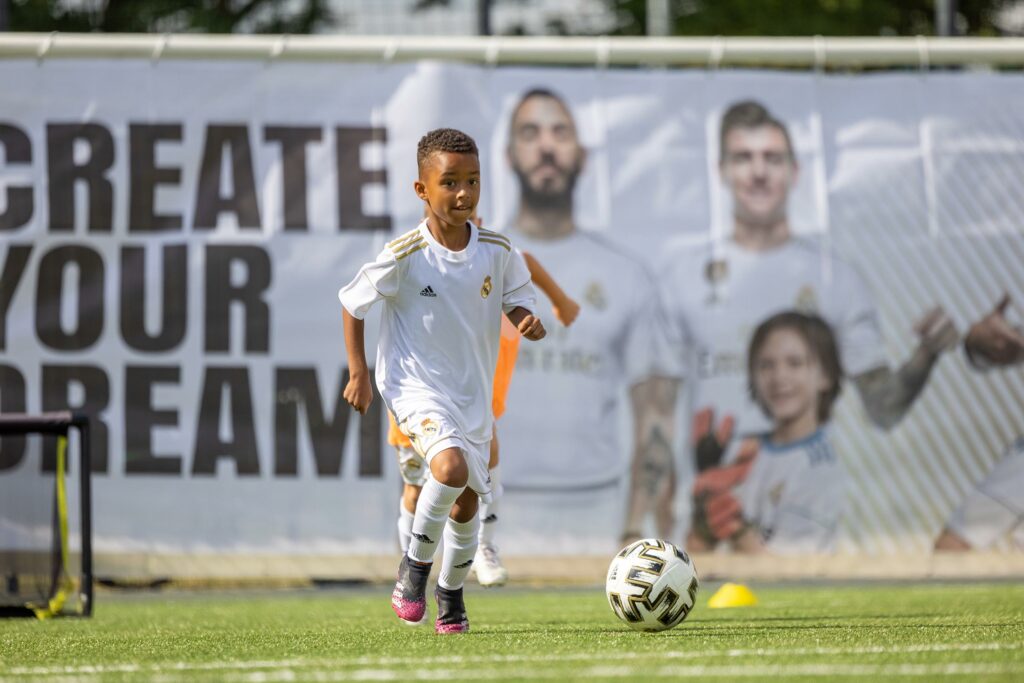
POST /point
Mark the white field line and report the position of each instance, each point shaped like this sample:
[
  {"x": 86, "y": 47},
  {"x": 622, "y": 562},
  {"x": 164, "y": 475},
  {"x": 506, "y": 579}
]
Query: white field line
[
  {"x": 758, "y": 671},
  {"x": 285, "y": 664}
]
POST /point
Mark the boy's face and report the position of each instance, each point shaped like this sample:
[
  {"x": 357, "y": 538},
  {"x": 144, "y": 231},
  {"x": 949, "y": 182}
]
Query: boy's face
[
  {"x": 450, "y": 185},
  {"x": 758, "y": 168},
  {"x": 788, "y": 379}
]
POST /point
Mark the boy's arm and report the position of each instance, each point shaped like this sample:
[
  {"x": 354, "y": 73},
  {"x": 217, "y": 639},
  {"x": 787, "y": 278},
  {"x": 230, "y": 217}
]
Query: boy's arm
[
  {"x": 375, "y": 281},
  {"x": 527, "y": 323},
  {"x": 358, "y": 392},
  {"x": 565, "y": 307}
]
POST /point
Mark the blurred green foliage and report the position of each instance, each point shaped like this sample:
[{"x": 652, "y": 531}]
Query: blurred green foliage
[
  {"x": 810, "y": 17},
  {"x": 689, "y": 17},
  {"x": 150, "y": 16}
]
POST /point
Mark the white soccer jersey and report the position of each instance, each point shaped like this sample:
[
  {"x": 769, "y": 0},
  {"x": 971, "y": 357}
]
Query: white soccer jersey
[
  {"x": 442, "y": 318},
  {"x": 794, "y": 494},
  {"x": 716, "y": 296},
  {"x": 561, "y": 429},
  {"x": 994, "y": 510}
]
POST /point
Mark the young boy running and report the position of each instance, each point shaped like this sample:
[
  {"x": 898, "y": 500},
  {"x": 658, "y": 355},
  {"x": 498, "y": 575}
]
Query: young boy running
[
  {"x": 445, "y": 286},
  {"x": 487, "y": 565}
]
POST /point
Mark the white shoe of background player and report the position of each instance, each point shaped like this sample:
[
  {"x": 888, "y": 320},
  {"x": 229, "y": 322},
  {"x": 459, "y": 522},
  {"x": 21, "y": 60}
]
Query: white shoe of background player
[{"x": 490, "y": 572}]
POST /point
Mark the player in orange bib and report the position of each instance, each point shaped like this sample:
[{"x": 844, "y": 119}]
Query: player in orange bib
[{"x": 486, "y": 564}]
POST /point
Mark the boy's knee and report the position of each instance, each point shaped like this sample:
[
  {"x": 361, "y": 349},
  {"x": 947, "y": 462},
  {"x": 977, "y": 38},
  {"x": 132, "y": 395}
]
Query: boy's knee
[
  {"x": 449, "y": 467},
  {"x": 466, "y": 506}
]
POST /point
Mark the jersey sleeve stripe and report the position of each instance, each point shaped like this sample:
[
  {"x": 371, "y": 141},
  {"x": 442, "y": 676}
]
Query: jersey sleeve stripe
[
  {"x": 495, "y": 235},
  {"x": 370, "y": 282},
  {"x": 506, "y": 245},
  {"x": 516, "y": 289},
  {"x": 398, "y": 251},
  {"x": 407, "y": 237},
  {"x": 413, "y": 250}
]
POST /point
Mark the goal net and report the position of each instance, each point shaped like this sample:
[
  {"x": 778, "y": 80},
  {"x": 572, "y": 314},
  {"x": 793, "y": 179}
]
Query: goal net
[{"x": 45, "y": 524}]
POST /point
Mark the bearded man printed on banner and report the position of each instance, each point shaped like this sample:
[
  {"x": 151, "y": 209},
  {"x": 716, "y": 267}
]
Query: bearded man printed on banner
[{"x": 567, "y": 452}]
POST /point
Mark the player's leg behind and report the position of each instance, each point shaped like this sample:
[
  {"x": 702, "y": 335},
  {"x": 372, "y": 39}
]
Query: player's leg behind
[
  {"x": 413, "y": 469},
  {"x": 487, "y": 565}
]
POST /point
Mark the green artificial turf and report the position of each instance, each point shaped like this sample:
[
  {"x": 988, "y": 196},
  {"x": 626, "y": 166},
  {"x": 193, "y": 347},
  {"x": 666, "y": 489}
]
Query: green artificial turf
[{"x": 920, "y": 631}]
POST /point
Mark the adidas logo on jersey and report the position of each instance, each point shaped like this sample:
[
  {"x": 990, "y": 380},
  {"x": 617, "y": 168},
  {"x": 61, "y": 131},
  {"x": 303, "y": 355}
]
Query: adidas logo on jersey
[{"x": 427, "y": 291}]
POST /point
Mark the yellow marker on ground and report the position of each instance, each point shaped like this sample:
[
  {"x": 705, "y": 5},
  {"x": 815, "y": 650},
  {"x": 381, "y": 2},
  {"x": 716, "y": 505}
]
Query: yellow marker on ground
[{"x": 732, "y": 595}]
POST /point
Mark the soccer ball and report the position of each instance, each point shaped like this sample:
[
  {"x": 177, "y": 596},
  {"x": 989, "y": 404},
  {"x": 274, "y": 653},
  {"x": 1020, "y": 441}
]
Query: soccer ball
[{"x": 651, "y": 585}]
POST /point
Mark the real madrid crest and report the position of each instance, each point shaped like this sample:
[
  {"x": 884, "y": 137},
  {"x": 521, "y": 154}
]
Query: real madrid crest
[
  {"x": 429, "y": 427},
  {"x": 485, "y": 289}
]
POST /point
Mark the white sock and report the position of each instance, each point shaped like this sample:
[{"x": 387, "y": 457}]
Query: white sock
[
  {"x": 459, "y": 548},
  {"x": 489, "y": 511},
  {"x": 436, "y": 501},
  {"x": 404, "y": 526}
]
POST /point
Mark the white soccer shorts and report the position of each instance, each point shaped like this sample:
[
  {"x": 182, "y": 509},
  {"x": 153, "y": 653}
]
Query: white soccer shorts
[{"x": 433, "y": 432}]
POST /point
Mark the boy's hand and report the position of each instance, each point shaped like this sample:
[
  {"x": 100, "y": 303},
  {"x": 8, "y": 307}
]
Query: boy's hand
[
  {"x": 531, "y": 328},
  {"x": 358, "y": 392}
]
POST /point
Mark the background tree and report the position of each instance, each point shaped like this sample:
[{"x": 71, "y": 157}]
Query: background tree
[
  {"x": 811, "y": 17},
  {"x": 629, "y": 17},
  {"x": 158, "y": 16}
]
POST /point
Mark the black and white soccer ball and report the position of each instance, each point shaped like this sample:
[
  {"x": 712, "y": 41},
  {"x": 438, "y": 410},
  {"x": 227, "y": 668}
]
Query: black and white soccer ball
[{"x": 651, "y": 585}]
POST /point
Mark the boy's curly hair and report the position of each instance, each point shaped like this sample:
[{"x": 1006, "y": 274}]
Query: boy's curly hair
[{"x": 444, "y": 140}]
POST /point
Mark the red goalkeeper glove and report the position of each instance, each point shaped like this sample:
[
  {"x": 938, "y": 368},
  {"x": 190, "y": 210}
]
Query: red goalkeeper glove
[
  {"x": 709, "y": 443},
  {"x": 717, "y": 512}
]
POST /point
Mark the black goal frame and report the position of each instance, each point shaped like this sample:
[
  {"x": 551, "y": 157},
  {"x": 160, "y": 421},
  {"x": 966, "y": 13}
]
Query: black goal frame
[{"x": 58, "y": 424}]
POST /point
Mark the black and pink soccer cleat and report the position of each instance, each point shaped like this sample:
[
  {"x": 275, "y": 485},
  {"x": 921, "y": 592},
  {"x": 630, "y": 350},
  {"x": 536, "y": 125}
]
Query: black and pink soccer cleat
[
  {"x": 409, "y": 599},
  {"x": 451, "y": 611}
]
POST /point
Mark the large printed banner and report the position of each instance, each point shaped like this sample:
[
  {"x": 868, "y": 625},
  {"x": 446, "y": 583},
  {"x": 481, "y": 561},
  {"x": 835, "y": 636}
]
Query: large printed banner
[{"x": 776, "y": 274}]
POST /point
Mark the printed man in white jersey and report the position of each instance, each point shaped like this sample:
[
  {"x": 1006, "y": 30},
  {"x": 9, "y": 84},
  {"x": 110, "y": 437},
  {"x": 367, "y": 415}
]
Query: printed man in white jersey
[
  {"x": 716, "y": 291},
  {"x": 569, "y": 443}
]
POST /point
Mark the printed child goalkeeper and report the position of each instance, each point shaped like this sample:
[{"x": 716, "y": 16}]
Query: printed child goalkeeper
[{"x": 445, "y": 286}]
